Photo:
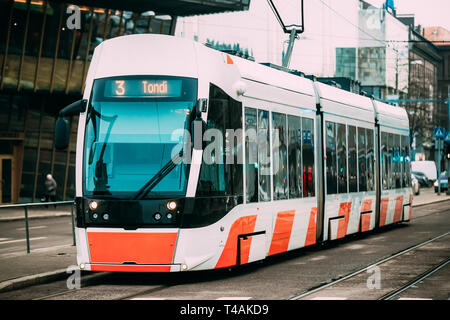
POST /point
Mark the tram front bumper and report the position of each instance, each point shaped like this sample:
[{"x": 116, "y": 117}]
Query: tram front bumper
[
  {"x": 131, "y": 267},
  {"x": 141, "y": 250}
]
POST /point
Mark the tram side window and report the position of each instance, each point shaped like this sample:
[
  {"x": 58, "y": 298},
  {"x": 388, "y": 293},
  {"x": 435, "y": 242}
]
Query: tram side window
[
  {"x": 219, "y": 177},
  {"x": 362, "y": 159},
  {"x": 352, "y": 161},
  {"x": 390, "y": 152},
  {"x": 308, "y": 157},
  {"x": 331, "y": 171},
  {"x": 342, "y": 157},
  {"x": 251, "y": 155},
  {"x": 295, "y": 157},
  {"x": 384, "y": 160},
  {"x": 397, "y": 171},
  {"x": 370, "y": 161},
  {"x": 263, "y": 140},
  {"x": 406, "y": 162},
  {"x": 279, "y": 156}
]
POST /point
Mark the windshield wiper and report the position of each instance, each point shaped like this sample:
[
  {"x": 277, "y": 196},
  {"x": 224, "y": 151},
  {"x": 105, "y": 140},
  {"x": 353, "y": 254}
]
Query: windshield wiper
[
  {"x": 163, "y": 172},
  {"x": 101, "y": 174}
]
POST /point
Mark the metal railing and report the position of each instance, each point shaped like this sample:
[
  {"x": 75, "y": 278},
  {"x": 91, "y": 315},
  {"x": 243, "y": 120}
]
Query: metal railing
[{"x": 25, "y": 207}]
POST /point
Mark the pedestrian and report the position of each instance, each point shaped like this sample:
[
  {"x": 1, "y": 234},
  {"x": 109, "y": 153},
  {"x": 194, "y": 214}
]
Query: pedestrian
[{"x": 50, "y": 188}]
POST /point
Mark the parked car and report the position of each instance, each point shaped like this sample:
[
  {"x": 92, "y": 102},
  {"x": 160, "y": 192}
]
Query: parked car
[
  {"x": 422, "y": 178},
  {"x": 415, "y": 185},
  {"x": 444, "y": 182},
  {"x": 426, "y": 167}
]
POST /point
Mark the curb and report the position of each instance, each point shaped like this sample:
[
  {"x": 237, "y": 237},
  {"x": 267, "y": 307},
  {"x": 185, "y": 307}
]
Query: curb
[
  {"x": 427, "y": 203},
  {"x": 27, "y": 281},
  {"x": 47, "y": 277}
]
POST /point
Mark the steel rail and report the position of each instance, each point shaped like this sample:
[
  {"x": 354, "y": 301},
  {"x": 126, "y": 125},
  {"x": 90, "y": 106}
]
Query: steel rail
[
  {"x": 391, "y": 295},
  {"x": 363, "y": 269}
]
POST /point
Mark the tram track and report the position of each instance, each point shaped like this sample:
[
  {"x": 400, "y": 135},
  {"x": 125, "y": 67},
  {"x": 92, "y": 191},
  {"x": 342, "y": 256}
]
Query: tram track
[
  {"x": 130, "y": 286},
  {"x": 391, "y": 294},
  {"x": 103, "y": 279}
]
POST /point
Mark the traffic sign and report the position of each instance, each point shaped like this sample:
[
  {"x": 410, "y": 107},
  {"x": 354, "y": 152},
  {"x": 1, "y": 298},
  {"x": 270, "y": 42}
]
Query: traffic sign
[
  {"x": 447, "y": 137},
  {"x": 439, "y": 133}
]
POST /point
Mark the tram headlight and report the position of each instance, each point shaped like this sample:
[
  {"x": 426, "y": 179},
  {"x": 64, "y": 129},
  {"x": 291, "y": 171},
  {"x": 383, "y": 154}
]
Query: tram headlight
[
  {"x": 171, "y": 205},
  {"x": 93, "y": 205},
  {"x": 106, "y": 216}
]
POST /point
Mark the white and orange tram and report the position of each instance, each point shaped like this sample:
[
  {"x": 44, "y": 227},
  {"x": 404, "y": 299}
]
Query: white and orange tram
[{"x": 190, "y": 158}]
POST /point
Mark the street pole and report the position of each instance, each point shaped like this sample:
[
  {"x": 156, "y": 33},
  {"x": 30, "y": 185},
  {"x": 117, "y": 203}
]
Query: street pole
[
  {"x": 446, "y": 155},
  {"x": 439, "y": 166}
]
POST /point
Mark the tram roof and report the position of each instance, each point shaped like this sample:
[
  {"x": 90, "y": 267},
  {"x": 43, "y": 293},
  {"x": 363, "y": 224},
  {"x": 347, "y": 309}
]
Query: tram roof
[
  {"x": 391, "y": 116},
  {"x": 344, "y": 103}
]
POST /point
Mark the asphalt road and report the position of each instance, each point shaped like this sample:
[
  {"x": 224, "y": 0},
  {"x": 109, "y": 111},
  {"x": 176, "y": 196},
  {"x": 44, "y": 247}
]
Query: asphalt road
[
  {"x": 279, "y": 277},
  {"x": 45, "y": 233}
]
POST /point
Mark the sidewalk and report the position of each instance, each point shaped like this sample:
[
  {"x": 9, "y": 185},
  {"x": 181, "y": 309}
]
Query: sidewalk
[
  {"x": 43, "y": 265},
  {"x": 428, "y": 196}
]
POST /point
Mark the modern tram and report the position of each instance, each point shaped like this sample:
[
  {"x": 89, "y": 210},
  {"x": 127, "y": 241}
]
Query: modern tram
[{"x": 189, "y": 158}]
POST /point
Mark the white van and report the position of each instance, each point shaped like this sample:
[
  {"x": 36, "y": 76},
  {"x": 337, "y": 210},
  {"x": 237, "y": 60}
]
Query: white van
[{"x": 428, "y": 168}]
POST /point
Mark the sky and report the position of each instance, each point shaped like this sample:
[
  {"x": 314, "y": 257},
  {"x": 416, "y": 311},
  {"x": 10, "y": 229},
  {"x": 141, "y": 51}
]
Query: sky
[{"x": 429, "y": 13}]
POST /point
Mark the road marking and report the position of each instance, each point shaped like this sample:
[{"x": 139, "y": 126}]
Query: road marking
[
  {"x": 149, "y": 298},
  {"x": 3, "y": 239},
  {"x": 328, "y": 298},
  {"x": 221, "y": 298},
  {"x": 234, "y": 298},
  {"x": 20, "y": 240},
  {"x": 38, "y": 227}
]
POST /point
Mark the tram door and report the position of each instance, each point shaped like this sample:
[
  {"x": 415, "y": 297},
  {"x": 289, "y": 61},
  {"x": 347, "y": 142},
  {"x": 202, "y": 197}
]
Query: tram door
[{"x": 6, "y": 185}]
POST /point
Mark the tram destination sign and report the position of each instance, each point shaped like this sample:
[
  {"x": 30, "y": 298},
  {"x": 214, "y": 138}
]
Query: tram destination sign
[{"x": 143, "y": 88}]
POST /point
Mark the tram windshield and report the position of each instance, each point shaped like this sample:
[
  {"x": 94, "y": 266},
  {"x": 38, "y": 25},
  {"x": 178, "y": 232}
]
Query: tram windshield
[{"x": 134, "y": 127}]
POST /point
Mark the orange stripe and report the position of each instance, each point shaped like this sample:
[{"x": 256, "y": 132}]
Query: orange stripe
[
  {"x": 366, "y": 205},
  {"x": 243, "y": 225},
  {"x": 311, "y": 233},
  {"x": 383, "y": 211},
  {"x": 344, "y": 210},
  {"x": 229, "y": 60},
  {"x": 365, "y": 218},
  {"x": 119, "y": 247},
  {"x": 282, "y": 232},
  {"x": 398, "y": 209},
  {"x": 125, "y": 268}
]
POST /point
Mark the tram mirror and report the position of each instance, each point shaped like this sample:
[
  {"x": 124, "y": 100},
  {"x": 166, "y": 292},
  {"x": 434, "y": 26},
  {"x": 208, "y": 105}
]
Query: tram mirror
[
  {"x": 74, "y": 108},
  {"x": 201, "y": 106},
  {"x": 62, "y": 133}
]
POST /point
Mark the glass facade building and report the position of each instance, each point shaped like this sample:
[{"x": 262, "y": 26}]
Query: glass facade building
[{"x": 43, "y": 65}]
